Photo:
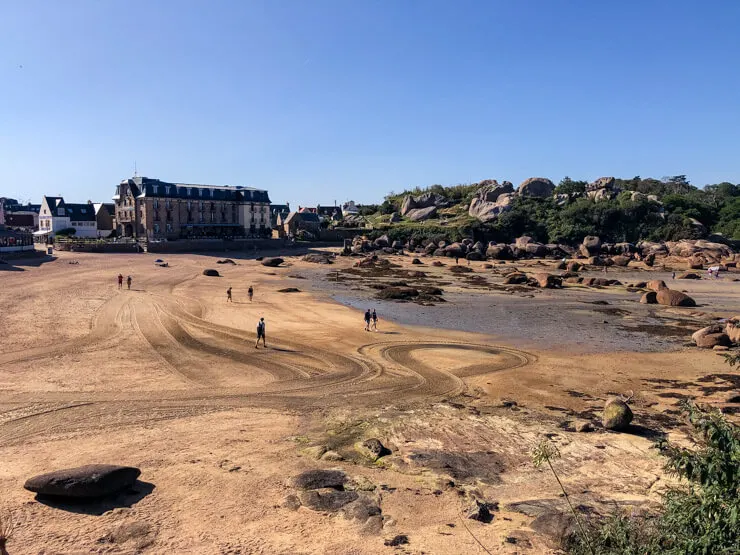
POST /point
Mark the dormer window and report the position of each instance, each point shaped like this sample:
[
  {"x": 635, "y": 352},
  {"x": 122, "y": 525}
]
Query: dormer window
[
  {"x": 200, "y": 192},
  {"x": 154, "y": 189},
  {"x": 167, "y": 190},
  {"x": 211, "y": 193},
  {"x": 60, "y": 211},
  {"x": 190, "y": 190}
]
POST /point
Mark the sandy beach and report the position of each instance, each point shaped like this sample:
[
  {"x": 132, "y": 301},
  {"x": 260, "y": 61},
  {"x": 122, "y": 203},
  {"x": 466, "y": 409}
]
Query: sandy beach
[{"x": 165, "y": 377}]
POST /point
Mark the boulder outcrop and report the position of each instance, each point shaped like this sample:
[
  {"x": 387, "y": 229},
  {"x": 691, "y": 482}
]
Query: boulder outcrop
[{"x": 538, "y": 187}]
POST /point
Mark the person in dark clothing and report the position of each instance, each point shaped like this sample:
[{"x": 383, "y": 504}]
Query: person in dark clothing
[
  {"x": 250, "y": 293},
  {"x": 228, "y": 295},
  {"x": 375, "y": 320},
  {"x": 120, "y": 281},
  {"x": 128, "y": 281},
  {"x": 261, "y": 333},
  {"x": 367, "y": 320}
]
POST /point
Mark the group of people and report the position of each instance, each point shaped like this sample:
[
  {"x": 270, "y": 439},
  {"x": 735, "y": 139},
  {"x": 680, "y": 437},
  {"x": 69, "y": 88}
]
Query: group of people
[
  {"x": 128, "y": 281},
  {"x": 371, "y": 320},
  {"x": 250, "y": 294},
  {"x": 260, "y": 325}
]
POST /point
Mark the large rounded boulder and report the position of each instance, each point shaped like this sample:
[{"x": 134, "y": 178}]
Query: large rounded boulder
[
  {"x": 617, "y": 415},
  {"x": 539, "y": 187},
  {"x": 650, "y": 297},
  {"x": 211, "y": 272},
  {"x": 548, "y": 281},
  {"x": 591, "y": 246},
  {"x": 656, "y": 285},
  {"x": 711, "y": 336},
  {"x": 84, "y": 482},
  {"x": 515, "y": 278},
  {"x": 670, "y": 297},
  {"x": 272, "y": 262}
]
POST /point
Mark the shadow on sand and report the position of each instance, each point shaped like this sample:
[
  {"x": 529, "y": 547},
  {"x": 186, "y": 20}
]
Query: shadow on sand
[
  {"x": 97, "y": 507},
  {"x": 19, "y": 264}
]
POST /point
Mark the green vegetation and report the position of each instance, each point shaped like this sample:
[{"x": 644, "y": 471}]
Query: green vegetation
[
  {"x": 682, "y": 211},
  {"x": 66, "y": 232},
  {"x": 701, "y": 516}
]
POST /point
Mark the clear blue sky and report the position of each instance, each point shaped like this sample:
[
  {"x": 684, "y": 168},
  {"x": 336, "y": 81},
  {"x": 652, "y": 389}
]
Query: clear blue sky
[{"x": 324, "y": 100}]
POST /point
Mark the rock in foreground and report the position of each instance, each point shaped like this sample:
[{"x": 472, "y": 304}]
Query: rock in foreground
[
  {"x": 670, "y": 297},
  {"x": 617, "y": 415},
  {"x": 319, "y": 479},
  {"x": 272, "y": 262},
  {"x": 90, "y": 481}
]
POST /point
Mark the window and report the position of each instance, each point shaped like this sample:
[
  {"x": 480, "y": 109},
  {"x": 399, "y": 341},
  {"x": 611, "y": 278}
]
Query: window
[
  {"x": 167, "y": 190},
  {"x": 169, "y": 216},
  {"x": 156, "y": 204},
  {"x": 200, "y": 207},
  {"x": 211, "y": 193},
  {"x": 168, "y": 204},
  {"x": 154, "y": 189},
  {"x": 169, "y": 228},
  {"x": 201, "y": 218},
  {"x": 213, "y": 206},
  {"x": 156, "y": 228},
  {"x": 200, "y": 192},
  {"x": 190, "y": 204},
  {"x": 60, "y": 211},
  {"x": 190, "y": 190}
]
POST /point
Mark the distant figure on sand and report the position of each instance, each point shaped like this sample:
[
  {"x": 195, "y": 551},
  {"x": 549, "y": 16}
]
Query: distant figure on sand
[
  {"x": 375, "y": 320},
  {"x": 120, "y": 281},
  {"x": 128, "y": 281},
  {"x": 250, "y": 293},
  {"x": 673, "y": 275},
  {"x": 228, "y": 295},
  {"x": 261, "y": 333},
  {"x": 367, "y": 320}
]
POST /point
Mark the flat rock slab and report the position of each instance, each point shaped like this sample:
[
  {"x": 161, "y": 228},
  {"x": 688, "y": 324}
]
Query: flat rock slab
[
  {"x": 318, "y": 479},
  {"x": 90, "y": 481},
  {"x": 330, "y": 500}
]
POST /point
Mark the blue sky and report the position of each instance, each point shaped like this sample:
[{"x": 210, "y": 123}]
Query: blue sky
[{"x": 329, "y": 100}]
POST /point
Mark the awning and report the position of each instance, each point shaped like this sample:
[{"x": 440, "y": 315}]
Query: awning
[{"x": 42, "y": 232}]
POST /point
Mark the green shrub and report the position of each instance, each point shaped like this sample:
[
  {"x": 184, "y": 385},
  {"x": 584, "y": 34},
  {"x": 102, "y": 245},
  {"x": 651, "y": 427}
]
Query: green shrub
[{"x": 702, "y": 516}]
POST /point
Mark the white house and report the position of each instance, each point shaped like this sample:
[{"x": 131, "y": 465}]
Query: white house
[
  {"x": 350, "y": 208},
  {"x": 56, "y": 215}
]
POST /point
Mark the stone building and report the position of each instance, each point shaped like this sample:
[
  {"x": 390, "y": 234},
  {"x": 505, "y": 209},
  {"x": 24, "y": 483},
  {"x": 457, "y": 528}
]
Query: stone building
[{"x": 154, "y": 209}]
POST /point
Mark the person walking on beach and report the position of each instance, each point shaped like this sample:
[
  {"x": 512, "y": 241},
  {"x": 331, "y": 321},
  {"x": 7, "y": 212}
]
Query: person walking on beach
[
  {"x": 261, "y": 333},
  {"x": 375, "y": 320},
  {"x": 367, "y": 320},
  {"x": 673, "y": 275},
  {"x": 120, "y": 281},
  {"x": 228, "y": 295},
  {"x": 128, "y": 282},
  {"x": 250, "y": 293}
]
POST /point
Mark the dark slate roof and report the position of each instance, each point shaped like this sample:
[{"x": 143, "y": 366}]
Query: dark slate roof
[
  {"x": 279, "y": 208},
  {"x": 15, "y": 207},
  {"x": 19, "y": 220},
  {"x": 328, "y": 210},
  {"x": 307, "y": 217},
  {"x": 53, "y": 202},
  {"x": 79, "y": 212},
  {"x": 147, "y": 186}
]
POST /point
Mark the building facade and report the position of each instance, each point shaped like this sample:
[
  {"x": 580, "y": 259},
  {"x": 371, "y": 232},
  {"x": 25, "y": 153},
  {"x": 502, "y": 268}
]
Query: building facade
[
  {"x": 56, "y": 215},
  {"x": 157, "y": 210}
]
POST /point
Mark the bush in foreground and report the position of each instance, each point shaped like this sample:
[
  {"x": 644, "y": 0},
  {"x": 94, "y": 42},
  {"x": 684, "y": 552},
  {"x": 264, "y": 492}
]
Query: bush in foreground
[{"x": 700, "y": 517}]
